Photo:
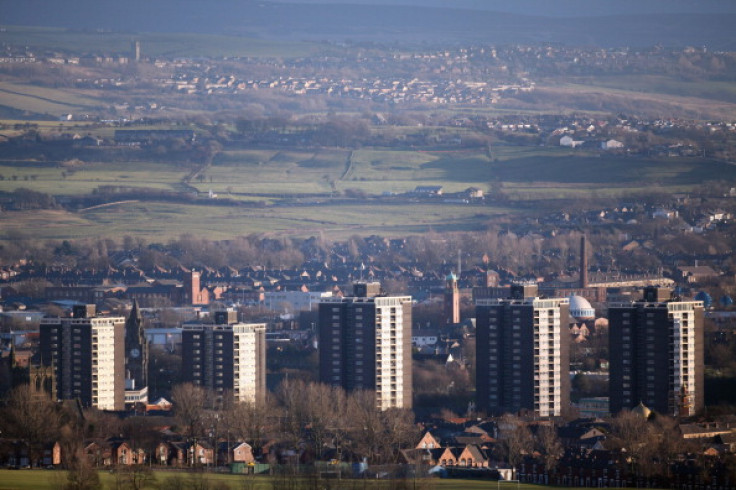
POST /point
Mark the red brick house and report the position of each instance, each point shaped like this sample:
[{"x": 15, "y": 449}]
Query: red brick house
[
  {"x": 428, "y": 441},
  {"x": 243, "y": 453}
]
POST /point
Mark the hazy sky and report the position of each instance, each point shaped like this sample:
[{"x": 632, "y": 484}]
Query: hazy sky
[
  {"x": 573, "y": 22},
  {"x": 561, "y": 8}
]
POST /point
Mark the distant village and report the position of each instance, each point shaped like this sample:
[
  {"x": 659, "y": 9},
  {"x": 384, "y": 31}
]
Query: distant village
[{"x": 461, "y": 77}]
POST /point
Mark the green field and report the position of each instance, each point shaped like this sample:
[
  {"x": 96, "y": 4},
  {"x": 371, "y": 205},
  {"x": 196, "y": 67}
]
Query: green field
[
  {"x": 161, "y": 221},
  {"x": 372, "y": 171},
  {"x": 524, "y": 173},
  {"x": 658, "y": 84},
  {"x": 710, "y": 100},
  {"x": 52, "y": 479},
  {"x": 85, "y": 178},
  {"x": 45, "y": 100},
  {"x": 304, "y": 193}
]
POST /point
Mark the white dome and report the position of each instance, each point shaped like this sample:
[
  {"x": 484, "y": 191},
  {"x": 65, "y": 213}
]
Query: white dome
[{"x": 580, "y": 308}]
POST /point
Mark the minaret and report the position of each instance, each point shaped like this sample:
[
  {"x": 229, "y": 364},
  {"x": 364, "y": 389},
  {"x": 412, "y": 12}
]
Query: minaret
[
  {"x": 583, "y": 263},
  {"x": 452, "y": 301}
]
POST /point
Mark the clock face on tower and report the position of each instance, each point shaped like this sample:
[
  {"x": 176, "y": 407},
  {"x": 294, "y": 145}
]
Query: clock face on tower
[{"x": 135, "y": 353}]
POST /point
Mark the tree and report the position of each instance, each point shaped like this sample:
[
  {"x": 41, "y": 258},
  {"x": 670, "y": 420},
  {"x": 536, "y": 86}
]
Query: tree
[
  {"x": 99, "y": 424},
  {"x": 365, "y": 421},
  {"x": 134, "y": 477},
  {"x": 189, "y": 404},
  {"x": 379, "y": 435},
  {"x": 549, "y": 446},
  {"x": 632, "y": 434},
  {"x": 81, "y": 475},
  {"x": 142, "y": 435},
  {"x": 400, "y": 431},
  {"x": 33, "y": 287},
  {"x": 516, "y": 441},
  {"x": 31, "y": 418},
  {"x": 250, "y": 422},
  {"x": 289, "y": 396}
]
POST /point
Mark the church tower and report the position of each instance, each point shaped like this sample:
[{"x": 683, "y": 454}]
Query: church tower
[{"x": 136, "y": 357}]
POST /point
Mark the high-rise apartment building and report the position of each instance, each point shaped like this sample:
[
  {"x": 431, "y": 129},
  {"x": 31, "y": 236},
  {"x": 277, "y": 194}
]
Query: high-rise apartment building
[
  {"x": 87, "y": 356},
  {"x": 365, "y": 344},
  {"x": 226, "y": 357},
  {"x": 522, "y": 353},
  {"x": 656, "y": 354}
]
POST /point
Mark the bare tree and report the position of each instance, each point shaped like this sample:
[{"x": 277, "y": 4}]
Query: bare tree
[
  {"x": 632, "y": 434},
  {"x": 365, "y": 424},
  {"x": 549, "y": 446},
  {"x": 134, "y": 477},
  {"x": 189, "y": 404},
  {"x": 142, "y": 435},
  {"x": 31, "y": 418},
  {"x": 379, "y": 435},
  {"x": 400, "y": 431},
  {"x": 101, "y": 424},
  {"x": 671, "y": 444},
  {"x": 250, "y": 422},
  {"x": 517, "y": 440},
  {"x": 318, "y": 401},
  {"x": 81, "y": 475},
  {"x": 289, "y": 397}
]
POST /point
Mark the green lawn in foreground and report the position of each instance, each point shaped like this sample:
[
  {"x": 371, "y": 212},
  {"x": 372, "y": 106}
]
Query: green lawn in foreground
[{"x": 53, "y": 479}]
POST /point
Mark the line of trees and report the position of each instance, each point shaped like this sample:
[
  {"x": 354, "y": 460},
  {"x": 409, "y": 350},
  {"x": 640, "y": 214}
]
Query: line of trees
[{"x": 313, "y": 416}]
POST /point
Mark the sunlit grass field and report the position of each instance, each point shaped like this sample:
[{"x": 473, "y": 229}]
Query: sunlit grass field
[
  {"x": 46, "y": 100},
  {"x": 305, "y": 192},
  {"x": 658, "y": 84},
  {"x": 52, "y": 479},
  {"x": 162, "y": 221},
  {"x": 84, "y": 179}
]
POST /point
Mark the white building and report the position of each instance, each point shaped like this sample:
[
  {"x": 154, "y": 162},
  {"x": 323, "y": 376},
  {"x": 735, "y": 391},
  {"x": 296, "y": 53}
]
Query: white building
[
  {"x": 226, "y": 358},
  {"x": 522, "y": 359},
  {"x": 570, "y": 142},
  {"x": 686, "y": 385},
  {"x": 365, "y": 344},
  {"x": 611, "y": 145},
  {"x": 656, "y": 354},
  {"x": 87, "y": 355},
  {"x": 249, "y": 360}
]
